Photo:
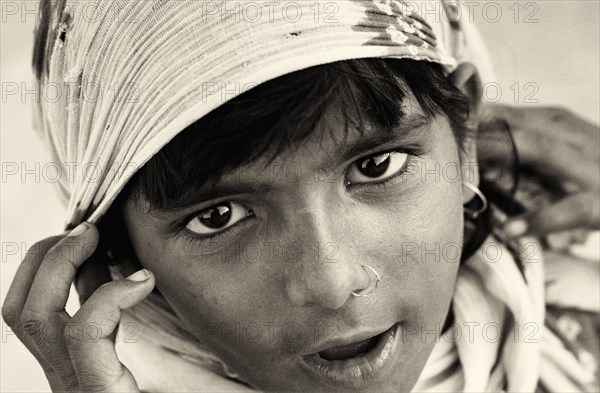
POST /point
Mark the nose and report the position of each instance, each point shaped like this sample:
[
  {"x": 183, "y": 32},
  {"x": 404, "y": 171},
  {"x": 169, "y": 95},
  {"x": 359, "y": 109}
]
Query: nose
[{"x": 328, "y": 268}]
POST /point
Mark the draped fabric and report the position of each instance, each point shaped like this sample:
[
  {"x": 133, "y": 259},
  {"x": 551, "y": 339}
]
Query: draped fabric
[{"x": 130, "y": 75}]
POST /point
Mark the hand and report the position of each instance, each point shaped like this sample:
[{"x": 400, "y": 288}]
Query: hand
[
  {"x": 562, "y": 146},
  {"x": 35, "y": 310}
]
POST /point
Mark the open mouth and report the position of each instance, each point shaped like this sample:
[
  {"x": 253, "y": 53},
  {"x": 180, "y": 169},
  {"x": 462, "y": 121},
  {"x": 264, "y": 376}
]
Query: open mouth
[
  {"x": 356, "y": 349},
  {"x": 354, "y": 365}
]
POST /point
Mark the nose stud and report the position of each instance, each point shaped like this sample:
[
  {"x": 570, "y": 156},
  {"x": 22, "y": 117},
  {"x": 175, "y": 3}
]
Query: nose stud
[{"x": 367, "y": 291}]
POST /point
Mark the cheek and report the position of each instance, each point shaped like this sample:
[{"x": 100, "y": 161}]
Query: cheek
[
  {"x": 199, "y": 289},
  {"x": 223, "y": 304},
  {"x": 431, "y": 254},
  {"x": 423, "y": 232},
  {"x": 423, "y": 242},
  {"x": 183, "y": 278}
]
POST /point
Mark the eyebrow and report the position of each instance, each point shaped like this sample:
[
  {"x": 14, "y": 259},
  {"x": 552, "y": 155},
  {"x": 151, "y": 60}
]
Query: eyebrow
[
  {"x": 377, "y": 136},
  {"x": 205, "y": 194},
  {"x": 374, "y": 137}
]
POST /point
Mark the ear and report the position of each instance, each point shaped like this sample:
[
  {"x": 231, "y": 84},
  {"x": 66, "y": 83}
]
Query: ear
[{"x": 467, "y": 79}]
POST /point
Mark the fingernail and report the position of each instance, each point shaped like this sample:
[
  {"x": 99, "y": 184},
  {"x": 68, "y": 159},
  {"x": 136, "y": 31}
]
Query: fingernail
[
  {"x": 139, "y": 276},
  {"x": 79, "y": 229},
  {"x": 515, "y": 228}
]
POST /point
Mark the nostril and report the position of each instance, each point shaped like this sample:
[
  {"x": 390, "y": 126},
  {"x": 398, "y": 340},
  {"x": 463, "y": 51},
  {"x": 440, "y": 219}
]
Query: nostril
[
  {"x": 330, "y": 288},
  {"x": 332, "y": 299}
]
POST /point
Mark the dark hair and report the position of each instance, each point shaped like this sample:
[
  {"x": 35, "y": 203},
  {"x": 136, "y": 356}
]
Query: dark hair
[{"x": 284, "y": 112}]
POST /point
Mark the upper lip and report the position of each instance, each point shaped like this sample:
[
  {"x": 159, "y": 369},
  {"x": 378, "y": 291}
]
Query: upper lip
[{"x": 350, "y": 338}]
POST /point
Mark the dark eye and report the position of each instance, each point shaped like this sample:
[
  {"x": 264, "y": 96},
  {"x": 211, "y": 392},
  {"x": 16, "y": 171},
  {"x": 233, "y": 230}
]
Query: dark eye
[
  {"x": 218, "y": 218},
  {"x": 377, "y": 168}
]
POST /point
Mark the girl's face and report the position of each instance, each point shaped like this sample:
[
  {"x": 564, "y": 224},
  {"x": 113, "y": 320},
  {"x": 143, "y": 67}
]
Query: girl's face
[{"x": 261, "y": 268}]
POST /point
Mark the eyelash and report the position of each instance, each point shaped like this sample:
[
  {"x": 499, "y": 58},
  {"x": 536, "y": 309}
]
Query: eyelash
[
  {"x": 192, "y": 240},
  {"x": 413, "y": 153}
]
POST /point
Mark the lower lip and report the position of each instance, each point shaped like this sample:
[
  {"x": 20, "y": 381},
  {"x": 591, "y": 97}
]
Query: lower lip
[{"x": 358, "y": 372}]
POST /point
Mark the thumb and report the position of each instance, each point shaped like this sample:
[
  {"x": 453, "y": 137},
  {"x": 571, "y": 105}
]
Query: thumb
[{"x": 89, "y": 334}]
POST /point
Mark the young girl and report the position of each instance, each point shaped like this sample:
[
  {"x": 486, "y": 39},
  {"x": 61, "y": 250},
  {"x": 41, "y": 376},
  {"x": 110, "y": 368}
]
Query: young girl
[{"x": 292, "y": 191}]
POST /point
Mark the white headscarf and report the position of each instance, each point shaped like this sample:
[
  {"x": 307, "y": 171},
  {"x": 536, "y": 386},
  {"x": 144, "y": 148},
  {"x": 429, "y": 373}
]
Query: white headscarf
[{"x": 129, "y": 76}]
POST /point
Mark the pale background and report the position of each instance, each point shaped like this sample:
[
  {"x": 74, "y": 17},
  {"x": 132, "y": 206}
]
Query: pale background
[{"x": 558, "y": 52}]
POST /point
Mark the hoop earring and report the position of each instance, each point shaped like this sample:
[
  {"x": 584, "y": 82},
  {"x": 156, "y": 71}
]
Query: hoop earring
[{"x": 473, "y": 214}]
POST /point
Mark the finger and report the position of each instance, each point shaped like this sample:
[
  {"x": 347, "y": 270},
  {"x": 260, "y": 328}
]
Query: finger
[
  {"x": 579, "y": 210},
  {"x": 91, "y": 275},
  {"x": 50, "y": 288},
  {"x": 566, "y": 126},
  {"x": 17, "y": 296},
  {"x": 21, "y": 284},
  {"x": 557, "y": 125},
  {"x": 44, "y": 316},
  {"x": 572, "y": 141},
  {"x": 565, "y": 163},
  {"x": 89, "y": 333}
]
